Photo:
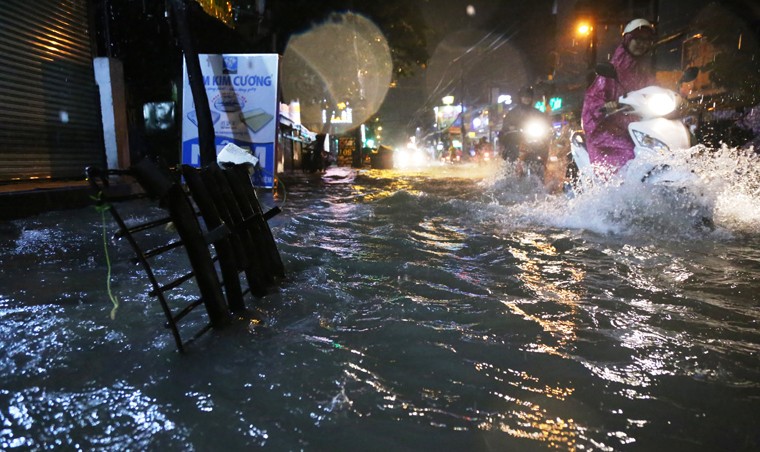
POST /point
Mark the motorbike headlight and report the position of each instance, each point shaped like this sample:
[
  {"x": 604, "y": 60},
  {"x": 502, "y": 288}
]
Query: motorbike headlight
[
  {"x": 534, "y": 130},
  {"x": 661, "y": 104},
  {"x": 648, "y": 142}
]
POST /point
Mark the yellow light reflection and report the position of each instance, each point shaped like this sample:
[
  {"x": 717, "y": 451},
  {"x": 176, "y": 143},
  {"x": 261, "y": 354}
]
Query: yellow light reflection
[
  {"x": 556, "y": 432},
  {"x": 222, "y": 12},
  {"x": 544, "y": 273},
  {"x": 438, "y": 235},
  {"x": 527, "y": 419},
  {"x": 540, "y": 276},
  {"x": 533, "y": 423},
  {"x": 374, "y": 193},
  {"x": 524, "y": 381}
]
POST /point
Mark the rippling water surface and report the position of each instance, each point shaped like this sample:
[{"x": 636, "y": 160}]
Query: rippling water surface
[{"x": 449, "y": 308}]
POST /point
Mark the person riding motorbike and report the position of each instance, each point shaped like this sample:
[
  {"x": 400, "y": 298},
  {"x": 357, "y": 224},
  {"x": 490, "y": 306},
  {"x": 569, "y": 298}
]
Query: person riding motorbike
[
  {"x": 524, "y": 134},
  {"x": 483, "y": 150},
  {"x": 607, "y": 137},
  {"x": 509, "y": 136}
]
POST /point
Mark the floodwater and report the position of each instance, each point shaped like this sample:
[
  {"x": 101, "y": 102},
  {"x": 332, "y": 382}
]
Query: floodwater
[{"x": 445, "y": 308}]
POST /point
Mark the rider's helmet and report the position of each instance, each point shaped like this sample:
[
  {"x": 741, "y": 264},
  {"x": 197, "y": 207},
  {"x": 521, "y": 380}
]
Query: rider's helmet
[
  {"x": 638, "y": 37},
  {"x": 526, "y": 94},
  {"x": 638, "y": 24}
]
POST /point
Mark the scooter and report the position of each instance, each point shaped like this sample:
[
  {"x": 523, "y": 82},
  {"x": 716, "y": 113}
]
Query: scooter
[
  {"x": 527, "y": 146},
  {"x": 659, "y": 133},
  {"x": 482, "y": 154}
]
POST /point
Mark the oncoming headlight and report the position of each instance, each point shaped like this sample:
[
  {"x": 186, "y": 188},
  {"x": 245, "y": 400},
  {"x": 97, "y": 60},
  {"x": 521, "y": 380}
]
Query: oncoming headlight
[
  {"x": 661, "y": 104},
  {"x": 407, "y": 158},
  {"x": 535, "y": 129}
]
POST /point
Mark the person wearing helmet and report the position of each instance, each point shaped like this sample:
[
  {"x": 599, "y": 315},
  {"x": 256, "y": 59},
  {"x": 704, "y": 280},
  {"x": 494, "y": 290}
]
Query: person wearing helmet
[
  {"x": 607, "y": 137},
  {"x": 510, "y": 137}
]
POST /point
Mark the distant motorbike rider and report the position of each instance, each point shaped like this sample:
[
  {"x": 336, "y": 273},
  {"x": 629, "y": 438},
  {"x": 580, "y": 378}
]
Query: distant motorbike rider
[
  {"x": 526, "y": 131},
  {"x": 607, "y": 137},
  {"x": 510, "y": 135},
  {"x": 483, "y": 150}
]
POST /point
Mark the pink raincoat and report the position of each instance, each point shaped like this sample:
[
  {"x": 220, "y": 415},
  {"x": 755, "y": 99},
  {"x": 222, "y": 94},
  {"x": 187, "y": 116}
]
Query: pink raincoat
[{"x": 607, "y": 138}]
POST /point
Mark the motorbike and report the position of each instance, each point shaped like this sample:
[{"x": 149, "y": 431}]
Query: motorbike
[
  {"x": 528, "y": 146},
  {"x": 453, "y": 155},
  {"x": 482, "y": 154},
  {"x": 659, "y": 133}
]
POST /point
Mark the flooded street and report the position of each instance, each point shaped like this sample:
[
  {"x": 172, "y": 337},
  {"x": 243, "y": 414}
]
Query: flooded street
[{"x": 447, "y": 308}]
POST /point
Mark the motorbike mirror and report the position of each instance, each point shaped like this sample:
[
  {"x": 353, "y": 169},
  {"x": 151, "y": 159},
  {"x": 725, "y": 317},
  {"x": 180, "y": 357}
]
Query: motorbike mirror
[
  {"x": 606, "y": 70},
  {"x": 690, "y": 74}
]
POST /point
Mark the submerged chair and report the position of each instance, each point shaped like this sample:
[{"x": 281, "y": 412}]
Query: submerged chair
[
  {"x": 256, "y": 220},
  {"x": 227, "y": 197},
  {"x": 217, "y": 209},
  {"x": 233, "y": 223},
  {"x": 157, "y": 184}
]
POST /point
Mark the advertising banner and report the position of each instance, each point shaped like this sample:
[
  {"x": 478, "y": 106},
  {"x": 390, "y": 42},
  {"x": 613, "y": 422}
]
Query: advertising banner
[
  {"x": 242, "y": 96},
  {"x": 346, "y": 148}
]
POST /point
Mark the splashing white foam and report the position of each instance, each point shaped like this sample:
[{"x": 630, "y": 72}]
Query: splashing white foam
[{"x": 725, "y": 186}]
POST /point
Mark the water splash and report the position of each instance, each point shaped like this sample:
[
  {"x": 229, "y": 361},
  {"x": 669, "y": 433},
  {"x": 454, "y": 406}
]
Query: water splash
[
  {"x": 734, "y": 176},
  {"x": 726, "y": 187}
]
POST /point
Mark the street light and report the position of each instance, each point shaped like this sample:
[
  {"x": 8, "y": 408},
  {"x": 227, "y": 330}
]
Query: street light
[{"x": 586, "y": 29}]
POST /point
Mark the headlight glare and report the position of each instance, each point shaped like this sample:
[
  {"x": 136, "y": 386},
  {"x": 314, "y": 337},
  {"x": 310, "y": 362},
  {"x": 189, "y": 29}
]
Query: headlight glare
[
  {"x": 534, "y": 130},
  {"x": 661, "y": 104}
]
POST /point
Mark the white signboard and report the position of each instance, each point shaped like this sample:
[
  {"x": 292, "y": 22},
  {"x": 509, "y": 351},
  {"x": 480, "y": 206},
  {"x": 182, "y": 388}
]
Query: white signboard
[{"x": 242, "y": 95}]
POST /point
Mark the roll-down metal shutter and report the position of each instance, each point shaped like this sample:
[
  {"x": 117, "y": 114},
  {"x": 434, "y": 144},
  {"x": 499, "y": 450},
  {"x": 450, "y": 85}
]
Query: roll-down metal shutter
[{"x": 49, "y": 107}]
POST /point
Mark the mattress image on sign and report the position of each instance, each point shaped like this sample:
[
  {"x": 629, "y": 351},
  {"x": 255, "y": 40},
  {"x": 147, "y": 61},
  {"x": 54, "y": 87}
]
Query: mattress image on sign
[
  {"x": 256, "y": 119},
  {"x": 194, "y": 118}
]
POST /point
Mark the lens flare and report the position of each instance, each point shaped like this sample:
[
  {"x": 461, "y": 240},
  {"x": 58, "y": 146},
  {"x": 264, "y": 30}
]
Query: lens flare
[{"x": 345, "y": 61}]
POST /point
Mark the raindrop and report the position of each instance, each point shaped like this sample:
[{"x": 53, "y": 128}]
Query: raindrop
[{"x": 347, "y": 60}]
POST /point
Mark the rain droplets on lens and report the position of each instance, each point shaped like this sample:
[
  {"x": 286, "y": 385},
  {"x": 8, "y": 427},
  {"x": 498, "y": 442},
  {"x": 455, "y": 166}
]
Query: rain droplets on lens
[{"x": 344, "y": 62}]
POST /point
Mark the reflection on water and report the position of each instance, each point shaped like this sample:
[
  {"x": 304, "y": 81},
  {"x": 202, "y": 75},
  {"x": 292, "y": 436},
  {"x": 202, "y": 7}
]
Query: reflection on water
[
  {"x": 453, "y": 308},
  {"x": 548, "y": 279}
]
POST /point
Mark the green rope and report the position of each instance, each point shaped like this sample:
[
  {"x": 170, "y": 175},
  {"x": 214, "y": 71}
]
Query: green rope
[{"x": 102, "y": 207}]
